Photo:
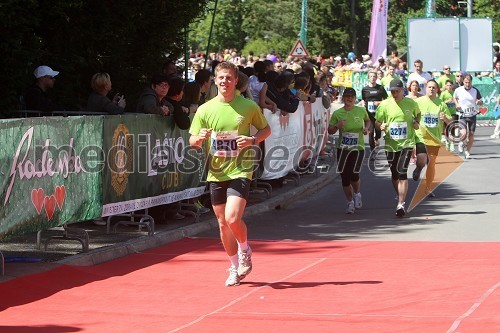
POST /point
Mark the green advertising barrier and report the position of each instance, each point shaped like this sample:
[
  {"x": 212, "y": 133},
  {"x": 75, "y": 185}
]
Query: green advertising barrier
[
  {"x": 149, "y": 164},
  {"x": 487, "y": 86},
  {"x": 50, "y": 173},
  {"x": 489, "y": 89}
]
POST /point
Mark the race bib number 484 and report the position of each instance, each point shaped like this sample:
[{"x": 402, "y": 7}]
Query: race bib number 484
[
  {"x": 224, "y": 144},
  {"x": 398, "y": 131}
]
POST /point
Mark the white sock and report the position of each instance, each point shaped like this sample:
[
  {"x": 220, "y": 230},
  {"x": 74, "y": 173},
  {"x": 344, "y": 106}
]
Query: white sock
[
  {"x": 243, "y": 246},
  {"x": 234, "y": 260}
]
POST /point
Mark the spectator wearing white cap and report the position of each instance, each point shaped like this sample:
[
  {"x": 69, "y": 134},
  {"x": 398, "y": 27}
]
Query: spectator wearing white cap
[{"x": 36, "y": 97}]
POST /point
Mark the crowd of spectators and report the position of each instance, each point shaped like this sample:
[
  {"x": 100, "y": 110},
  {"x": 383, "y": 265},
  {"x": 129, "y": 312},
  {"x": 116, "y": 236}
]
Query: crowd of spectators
[{"x": 274, "y": 83}]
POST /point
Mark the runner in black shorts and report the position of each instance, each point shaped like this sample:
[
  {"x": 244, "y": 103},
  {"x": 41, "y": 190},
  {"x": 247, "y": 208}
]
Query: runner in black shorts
[
  {"x": 353, "y": 123},
  {"x": 219, "y": 191},
  {"x": 373, "y": 94},
  {"x": 399, "y": 117},
  {"x": 467, "y": 98},
  {"x": 225, "y": 120}
]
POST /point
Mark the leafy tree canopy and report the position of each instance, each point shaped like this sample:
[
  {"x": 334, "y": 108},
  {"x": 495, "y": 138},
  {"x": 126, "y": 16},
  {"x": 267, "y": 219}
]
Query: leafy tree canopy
[{"x": 131, "y": 39}]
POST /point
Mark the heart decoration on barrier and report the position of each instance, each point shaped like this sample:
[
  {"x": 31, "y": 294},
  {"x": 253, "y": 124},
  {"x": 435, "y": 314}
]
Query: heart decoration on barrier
[
  {"x": 50, "y": 205},
  {"x": 41, "y": 201},
  {"x": 60, "y": 196},
  {"x": 37, "y": 199},
  {"x": 483, "y": 110}
]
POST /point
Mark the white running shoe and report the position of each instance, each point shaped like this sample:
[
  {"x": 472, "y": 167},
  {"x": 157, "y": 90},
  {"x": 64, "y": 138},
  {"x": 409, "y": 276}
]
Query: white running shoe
[
  {"x": 452, "y": 147},
  {"x": 443, "y": 139},
  {"x": 245, "y": 263},
  {"x": 233, "y": 278},
  {"x": 350, "y": 207},
  {"x": 467, "y": 154},
  {"x": 460, "y": 147},
  {"x": 494, "y": 136},
  {"x": 400, "y": 210},
  {"x": 357, "y": 200}
]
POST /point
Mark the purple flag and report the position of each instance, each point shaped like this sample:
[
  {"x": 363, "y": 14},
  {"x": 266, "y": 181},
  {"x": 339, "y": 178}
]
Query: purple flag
[{"x": 378, "y": 30}]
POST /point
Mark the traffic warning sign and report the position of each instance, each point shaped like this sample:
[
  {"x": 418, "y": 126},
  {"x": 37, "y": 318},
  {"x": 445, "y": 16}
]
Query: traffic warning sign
[{"x": 299, "y": 50}]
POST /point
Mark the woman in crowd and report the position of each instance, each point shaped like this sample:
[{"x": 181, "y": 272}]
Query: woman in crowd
[
  {"x": 257, "y": 87},
  {"x": 414, "y": 91},
  {"x": 152, "y": 98},
  {"x": 98, "y": 100}
]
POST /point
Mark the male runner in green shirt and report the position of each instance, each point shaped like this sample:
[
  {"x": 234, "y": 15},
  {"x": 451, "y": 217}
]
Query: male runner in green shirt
[
  {"x": 225, "y": 120},
  {"x": 398, "y": 117}
]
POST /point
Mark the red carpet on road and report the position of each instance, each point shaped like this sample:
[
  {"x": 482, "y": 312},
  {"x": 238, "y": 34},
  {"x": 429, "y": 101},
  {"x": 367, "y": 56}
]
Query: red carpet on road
[{"x": 301, "y": 286}]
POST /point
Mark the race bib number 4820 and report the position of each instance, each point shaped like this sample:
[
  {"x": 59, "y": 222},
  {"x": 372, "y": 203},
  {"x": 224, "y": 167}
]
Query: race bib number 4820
[
  {"x": 224, "y": 144},
  {"x": 398, "y": 131}
]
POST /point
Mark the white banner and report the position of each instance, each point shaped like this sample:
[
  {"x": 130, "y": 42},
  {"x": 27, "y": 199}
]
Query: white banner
[
  {"x": 294, "y": 137},
  {"x": 143, "y": 203},
  {"x": 377, "y": 45}
]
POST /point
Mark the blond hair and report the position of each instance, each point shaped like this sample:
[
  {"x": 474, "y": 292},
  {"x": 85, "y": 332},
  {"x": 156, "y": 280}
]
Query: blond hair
[{"x": 99, "y": 81}]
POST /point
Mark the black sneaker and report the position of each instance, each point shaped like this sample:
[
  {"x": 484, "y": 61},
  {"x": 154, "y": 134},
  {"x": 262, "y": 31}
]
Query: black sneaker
[
  {"x": 416, "y": 173},
  {"x": 400, "y": 211}
]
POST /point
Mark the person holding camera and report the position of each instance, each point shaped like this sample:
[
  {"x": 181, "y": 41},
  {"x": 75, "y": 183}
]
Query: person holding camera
[{"x": 98, "y": 100}]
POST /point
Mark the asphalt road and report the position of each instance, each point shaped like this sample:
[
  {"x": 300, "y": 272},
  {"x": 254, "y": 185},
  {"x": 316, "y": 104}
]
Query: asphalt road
[{"x": 464, "y": 209}]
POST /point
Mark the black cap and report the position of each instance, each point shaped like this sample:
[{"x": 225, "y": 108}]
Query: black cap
[
  {"x": 349, "y": 91},
  {"x": 396, "y": 84}
]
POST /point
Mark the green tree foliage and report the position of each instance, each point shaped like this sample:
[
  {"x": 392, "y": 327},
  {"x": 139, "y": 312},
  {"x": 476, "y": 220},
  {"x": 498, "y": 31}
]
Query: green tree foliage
[
  {"x": 128, "y": 39},
  {"x": 131, "y": 39},
  {"x": 255, "y": 19}
]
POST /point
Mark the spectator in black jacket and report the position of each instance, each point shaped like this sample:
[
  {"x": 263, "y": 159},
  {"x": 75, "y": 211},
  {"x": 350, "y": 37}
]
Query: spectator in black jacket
[
  {"x": 174, "y": 97},
  {"x": 278, "y": 91},
  {"x": 98, "y": 100},
  {"x": 151, "y": 99},
  {"x": 36, "y": 97}
]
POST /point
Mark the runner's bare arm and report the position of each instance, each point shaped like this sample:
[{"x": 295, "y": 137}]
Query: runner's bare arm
[{"x": 197, "y": 140}]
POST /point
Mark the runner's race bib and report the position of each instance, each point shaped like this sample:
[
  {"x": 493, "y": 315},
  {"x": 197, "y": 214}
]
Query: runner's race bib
[
  {"x": 398, "y": 131},
  {"x": 469, "y": 112},
  {"x": 349, "y": 140},
  {"x": 431, "y": 120},
  {"x": 371, "y": 107},
  {"x": 224, "y": 144}
]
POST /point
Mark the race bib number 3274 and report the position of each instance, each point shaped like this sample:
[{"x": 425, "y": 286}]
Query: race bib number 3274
[{"x": 398, "y": 131}]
